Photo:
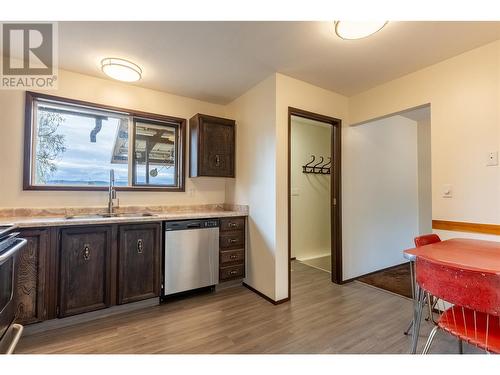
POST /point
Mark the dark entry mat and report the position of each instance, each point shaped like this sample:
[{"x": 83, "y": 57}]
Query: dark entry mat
[{"x": 395, "y": 279}]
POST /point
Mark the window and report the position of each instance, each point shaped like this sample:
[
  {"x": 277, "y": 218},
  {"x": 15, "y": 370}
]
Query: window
[{"x": 73, "y": 145}]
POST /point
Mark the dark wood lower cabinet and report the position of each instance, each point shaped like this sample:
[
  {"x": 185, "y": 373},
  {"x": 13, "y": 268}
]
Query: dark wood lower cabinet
[
  {"x": 84, "y": 270},
  {"x": 232, "y": 248},
  {"x": 31, "y": 277},
  {"x": 65, "y": 271},
  {"x": 139, "y": 262}
]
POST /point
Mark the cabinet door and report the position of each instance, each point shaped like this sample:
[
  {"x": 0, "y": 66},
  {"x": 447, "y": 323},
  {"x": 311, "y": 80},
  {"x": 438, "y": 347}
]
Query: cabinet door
[
  {"x": 30, "y": 277},
  {"x": 84, "y": 274},
  {"x": 217, "y": 148},
  {"x": 139, "y": 262}
]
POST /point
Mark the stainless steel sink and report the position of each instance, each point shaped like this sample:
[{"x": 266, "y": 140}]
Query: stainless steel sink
[
  {"x": 141, "y": 214},
  {"x": 102, "y": 216}
]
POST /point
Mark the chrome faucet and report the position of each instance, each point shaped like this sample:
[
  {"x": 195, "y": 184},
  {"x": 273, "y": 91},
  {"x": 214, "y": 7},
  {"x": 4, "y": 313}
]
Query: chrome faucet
[{"x": 111, "y": 192}]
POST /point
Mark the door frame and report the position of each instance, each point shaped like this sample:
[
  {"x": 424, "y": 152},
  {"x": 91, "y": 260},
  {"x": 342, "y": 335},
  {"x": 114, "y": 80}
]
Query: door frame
[{"x": 335, "y": 191}]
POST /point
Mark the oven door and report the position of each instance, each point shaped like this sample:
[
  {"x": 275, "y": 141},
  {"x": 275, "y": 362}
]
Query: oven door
[{"x": 7, "y": 286}]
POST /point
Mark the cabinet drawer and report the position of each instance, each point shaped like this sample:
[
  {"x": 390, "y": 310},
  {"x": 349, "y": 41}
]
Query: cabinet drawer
[
  {"x": 231, "y": 272},
  {"x": 232, "y": 240},
  {"x": 234, "y": 223},
  {"x": 232, "y": 256}
]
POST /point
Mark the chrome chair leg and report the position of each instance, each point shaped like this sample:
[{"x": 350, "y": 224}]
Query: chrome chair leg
[
  {"x": 430, "y": 340},
  {"x": 417, "y": 318},
  {"x": 410, "y": 326},
  {"x": 430, "y": 305}
]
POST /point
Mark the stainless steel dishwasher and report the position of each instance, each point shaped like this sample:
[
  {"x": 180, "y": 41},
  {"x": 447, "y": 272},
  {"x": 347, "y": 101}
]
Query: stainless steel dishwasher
[{"x": 191, "y": 255}]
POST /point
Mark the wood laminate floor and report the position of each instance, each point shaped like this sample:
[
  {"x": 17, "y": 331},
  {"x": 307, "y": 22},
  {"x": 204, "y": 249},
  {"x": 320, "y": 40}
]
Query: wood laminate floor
[
  {"x": 322, "y": 263},
  {"x": 321, "y": 318}
]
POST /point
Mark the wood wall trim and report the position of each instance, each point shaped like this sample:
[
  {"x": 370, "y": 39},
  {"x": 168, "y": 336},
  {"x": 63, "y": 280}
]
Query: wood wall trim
[
  {"x": 269, "y": 299},
  {"x": 460, "y": 226}
]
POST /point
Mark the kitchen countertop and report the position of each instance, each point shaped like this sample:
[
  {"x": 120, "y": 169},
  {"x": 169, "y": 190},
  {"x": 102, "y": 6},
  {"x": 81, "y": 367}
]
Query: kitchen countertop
[{"x": 49, "y": 221}]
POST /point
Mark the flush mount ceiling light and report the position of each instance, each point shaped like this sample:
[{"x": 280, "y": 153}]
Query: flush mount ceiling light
[
  {"x": 356, "y": 30},
  {"x": 121, "y": 69}
]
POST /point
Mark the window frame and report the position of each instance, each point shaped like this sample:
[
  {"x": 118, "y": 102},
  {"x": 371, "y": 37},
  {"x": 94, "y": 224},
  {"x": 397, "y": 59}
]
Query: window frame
[{"x": 29, "y": 127}]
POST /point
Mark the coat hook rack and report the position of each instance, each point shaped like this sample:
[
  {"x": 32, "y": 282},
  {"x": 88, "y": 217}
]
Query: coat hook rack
[
  {"x": 317, "y": 168},
  {"x": 325, "y": 168},
  {"x": 307, "y": 168}
]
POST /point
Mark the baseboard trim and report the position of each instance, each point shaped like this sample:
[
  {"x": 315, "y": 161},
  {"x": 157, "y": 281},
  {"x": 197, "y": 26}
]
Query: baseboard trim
[
  {"x": 315, "y": 257},
  {"x": 461, "y": 226},
  {"x": 371, "y": 273},
  {"x": 268, "y": 299}
]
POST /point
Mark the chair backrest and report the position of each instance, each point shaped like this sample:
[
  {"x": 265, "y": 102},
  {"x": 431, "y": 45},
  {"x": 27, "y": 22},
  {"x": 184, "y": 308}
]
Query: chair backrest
[
  {"x": 426, "y": 239},
  {"x": 475, "y": 290}
]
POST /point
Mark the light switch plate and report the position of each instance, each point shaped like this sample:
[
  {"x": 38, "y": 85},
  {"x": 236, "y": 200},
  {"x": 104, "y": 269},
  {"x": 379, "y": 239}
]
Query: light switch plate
[
  {"x": 492, "y": 159},
  {"x": 447, "y": 191}
]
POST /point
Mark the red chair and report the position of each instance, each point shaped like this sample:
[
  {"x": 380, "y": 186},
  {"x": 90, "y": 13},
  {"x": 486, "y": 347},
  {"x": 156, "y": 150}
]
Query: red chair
[
  {"x": 426, "y": 239},
  {"x": 475, "y": 295},
  {"x": 419, "y": 241}
]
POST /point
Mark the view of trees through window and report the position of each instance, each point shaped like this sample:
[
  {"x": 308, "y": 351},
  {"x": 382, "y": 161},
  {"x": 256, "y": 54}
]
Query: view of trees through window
[{"x": 78, "y": 146}]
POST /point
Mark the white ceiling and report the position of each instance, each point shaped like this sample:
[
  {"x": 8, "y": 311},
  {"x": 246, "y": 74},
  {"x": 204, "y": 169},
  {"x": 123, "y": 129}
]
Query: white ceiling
[{"x": 218, "y": 61}]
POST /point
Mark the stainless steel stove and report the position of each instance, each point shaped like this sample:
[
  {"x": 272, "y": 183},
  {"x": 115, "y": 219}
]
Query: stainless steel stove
[{"x": 10, "y": 245}]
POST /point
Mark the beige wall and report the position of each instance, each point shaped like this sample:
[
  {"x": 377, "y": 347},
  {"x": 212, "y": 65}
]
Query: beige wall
[
  {"x": 311, "y": 197},
  {"x": 255, "y": 114},
  {"x": 424, "y": 175},
  {"x": 380, "y": 201},
  {"x": 464, "y": 93},
  {"x": 77, "y": 86}
]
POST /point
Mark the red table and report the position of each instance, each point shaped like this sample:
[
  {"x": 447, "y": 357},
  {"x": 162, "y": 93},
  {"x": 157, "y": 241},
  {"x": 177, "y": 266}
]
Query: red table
[
  {"x": 464, "y": 254},
  {"x": 472, "y": 255}
]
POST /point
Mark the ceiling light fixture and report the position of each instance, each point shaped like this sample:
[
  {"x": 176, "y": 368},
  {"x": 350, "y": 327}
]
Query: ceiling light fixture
[
  {"x": 121, "y": 69},
  {"x": 356, "y": 30}
]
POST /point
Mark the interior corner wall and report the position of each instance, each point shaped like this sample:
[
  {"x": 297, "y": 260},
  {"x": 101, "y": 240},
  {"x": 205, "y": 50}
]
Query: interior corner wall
[
  {"x": 424, "y": 176},
  {"x": 255, "y": 185},
  {"x": 464, "y": 94}
]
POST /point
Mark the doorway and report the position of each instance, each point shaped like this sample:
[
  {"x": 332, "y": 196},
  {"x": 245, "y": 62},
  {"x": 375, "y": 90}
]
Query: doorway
[{"x": 314, "y": 192}]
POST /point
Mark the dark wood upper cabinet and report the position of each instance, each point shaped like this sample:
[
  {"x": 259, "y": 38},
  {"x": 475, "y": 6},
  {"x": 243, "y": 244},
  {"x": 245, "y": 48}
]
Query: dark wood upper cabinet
[
  {"x": 212, "y": 146},
  {"x": 139, "y": 262},
  {"x": 84, "y": 270},
  {"x": 31, "y": 283}
]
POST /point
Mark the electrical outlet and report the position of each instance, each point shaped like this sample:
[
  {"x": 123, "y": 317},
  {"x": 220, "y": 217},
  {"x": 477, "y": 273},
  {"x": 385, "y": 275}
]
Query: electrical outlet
[{"x": 492, "y": 159}]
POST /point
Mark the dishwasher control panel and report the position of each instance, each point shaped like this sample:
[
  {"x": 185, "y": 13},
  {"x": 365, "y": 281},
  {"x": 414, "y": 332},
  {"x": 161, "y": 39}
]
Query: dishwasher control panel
[
  {"x": 211, "y": 223},
  {"x": 191, "y": 224}
]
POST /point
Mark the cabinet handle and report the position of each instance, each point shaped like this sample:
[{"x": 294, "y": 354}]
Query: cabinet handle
[
  {"x": 217, "y": 160},
  {"x": 232, "y": 240},
  {"x": 86, "y": 252},
  {"x": 140, "y": 246},
  {"x": 233, "y": 272},
  {"x": 233, "y": 225},
  {"x": 233, "y": 256}
]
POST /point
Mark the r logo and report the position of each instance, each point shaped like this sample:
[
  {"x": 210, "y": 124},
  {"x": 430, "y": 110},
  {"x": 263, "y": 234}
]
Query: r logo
[{"x": 28, "y": 49}]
